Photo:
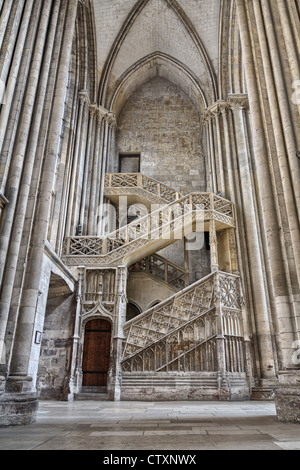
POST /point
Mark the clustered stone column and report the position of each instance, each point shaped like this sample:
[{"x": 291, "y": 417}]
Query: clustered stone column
[
  {"x": 228, "y": 121},
  {"x": 83, "y": 182},
  {"x": 276, "y": 173},
  {"x": 43, "y": 27}
]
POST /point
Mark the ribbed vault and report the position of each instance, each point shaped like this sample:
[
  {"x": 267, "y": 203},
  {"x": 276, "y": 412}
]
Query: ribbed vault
[{"x": 157, "y": 38}]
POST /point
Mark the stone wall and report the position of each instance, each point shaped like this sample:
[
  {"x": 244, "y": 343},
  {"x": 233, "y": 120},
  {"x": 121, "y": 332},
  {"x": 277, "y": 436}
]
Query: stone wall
[
  {"x": 160, "y": 122},
  {"x": 55, "y": 357}
]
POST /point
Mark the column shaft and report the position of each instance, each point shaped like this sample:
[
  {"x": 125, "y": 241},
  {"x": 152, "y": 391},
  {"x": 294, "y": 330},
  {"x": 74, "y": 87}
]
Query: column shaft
[{"x": 23, "y": 349}]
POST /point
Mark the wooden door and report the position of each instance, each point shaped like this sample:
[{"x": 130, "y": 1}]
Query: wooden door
[{"x": 96, "y": 353}]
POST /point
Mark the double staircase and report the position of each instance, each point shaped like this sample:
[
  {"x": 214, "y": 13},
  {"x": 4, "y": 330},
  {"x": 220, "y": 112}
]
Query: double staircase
[{"x": 191, "y": 345}]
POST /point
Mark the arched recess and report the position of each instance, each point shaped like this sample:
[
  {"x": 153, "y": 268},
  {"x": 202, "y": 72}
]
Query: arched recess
[
  {"x": 151, "y": 66},
  {"x": 185, "y": 107},
  {"x": 189, "y": 31},
  {"x": 56, "y": 339},
  {"x": 132, "y": 310}
]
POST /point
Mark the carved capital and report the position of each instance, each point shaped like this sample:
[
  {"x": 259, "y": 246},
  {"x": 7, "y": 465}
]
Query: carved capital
[
  {"x": 84, "y": 97},
  {"x": 101, "y": 112},
  {"x": 110, "y": 119},
  {"x": 238, "y": 101},
  {"x": 218, "y": 108},
  {"x": 93, "y": 109},
  {"x": 221, "y": 107}
]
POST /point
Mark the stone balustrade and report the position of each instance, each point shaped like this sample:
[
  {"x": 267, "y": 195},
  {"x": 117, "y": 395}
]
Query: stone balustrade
[
  {"x": 137, "y": 184},
  {"x": 198, "y": 329},
  {"x": 158, "y": 229}
]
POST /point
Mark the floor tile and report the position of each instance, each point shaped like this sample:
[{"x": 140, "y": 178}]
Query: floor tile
[
  {"x": 153, "y": 426},
  {"x": 288, "y": 445}
]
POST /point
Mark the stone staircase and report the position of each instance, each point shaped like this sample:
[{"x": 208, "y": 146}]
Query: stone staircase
[
  {"x": 191, "y": 344},
  {"x": 193, "y": 341},
  {"x": 140, "y": 188},
  {"x": 167, "y": 316}
]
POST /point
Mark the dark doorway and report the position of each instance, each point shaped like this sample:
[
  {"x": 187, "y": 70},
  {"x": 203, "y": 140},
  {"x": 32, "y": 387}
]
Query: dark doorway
[
  {"x": 129, "y": 163},
  {"x": 132, "y": 311},
  {"x": 96, "y": 353}
]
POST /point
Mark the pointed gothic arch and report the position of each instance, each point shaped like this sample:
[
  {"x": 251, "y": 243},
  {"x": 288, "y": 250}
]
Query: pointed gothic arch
[
  {"x": 126, "y": 27},
  {"x": 158, "y": 64}
]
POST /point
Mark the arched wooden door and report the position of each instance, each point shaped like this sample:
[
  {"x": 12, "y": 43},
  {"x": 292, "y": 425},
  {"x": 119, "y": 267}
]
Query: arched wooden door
[{"x": 96, "y": 353}]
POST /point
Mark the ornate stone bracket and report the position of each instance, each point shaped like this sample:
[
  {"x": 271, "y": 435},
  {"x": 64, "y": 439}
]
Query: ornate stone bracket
[
  {"x": 98, "y": 110},
  {"x": 233, "y": 102}
]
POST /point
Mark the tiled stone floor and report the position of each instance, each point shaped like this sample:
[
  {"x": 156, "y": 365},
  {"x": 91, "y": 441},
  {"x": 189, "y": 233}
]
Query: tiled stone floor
[{"x": 87, "y": 425}]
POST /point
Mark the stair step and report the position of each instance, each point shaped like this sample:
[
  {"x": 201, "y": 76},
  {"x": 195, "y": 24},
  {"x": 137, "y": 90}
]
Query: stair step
[
  {"x": 92, "y": 393},
  {"x": 91, "y": 396},
  {"x": 204, "y": 380},
  {"x": 93, "y": 389}
]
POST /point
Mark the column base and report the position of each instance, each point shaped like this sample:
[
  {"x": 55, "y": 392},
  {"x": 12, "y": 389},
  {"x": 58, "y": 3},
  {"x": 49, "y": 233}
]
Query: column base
[
  {"x": 287, "y": 397},
  {"x": 18, "y": 409},
  {"x": 264, "y": 389},
  {"x": 114, "y": 391}
]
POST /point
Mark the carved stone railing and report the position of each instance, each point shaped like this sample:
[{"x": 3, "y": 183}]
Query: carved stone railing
[
  {"x": 163, "y": 269},
  {"x": 233, "y": 341},
  {"x": 168, "y": 315},
  {"x": 208, "y": 333},
  {"x": 188, "y": 348},
  {"x": 140, "y": 185},
  {"x": 157, "y": 229}
]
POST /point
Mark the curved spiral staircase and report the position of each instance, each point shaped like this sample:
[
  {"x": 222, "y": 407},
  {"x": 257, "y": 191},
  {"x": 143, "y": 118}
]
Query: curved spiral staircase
[{"x": 191, "y": 345}]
